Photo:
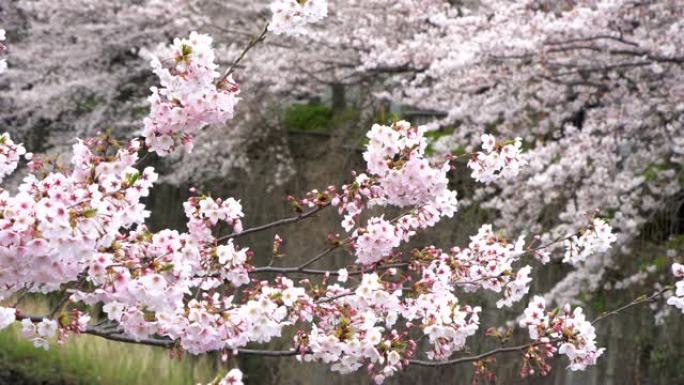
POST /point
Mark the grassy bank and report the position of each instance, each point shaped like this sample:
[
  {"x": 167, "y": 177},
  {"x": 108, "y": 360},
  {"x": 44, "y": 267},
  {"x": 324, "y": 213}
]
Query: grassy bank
[{"x": 91, "y": 360}]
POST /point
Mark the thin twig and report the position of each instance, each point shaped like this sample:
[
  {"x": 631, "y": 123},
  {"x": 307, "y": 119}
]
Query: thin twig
[
  {"x": 637, "y": 301},
  {"x": 252, "y": 43},
  {"x": 271, "y": 225},
  {"x": 296, "y": 269},
  {"x": 455, "y": 361}
]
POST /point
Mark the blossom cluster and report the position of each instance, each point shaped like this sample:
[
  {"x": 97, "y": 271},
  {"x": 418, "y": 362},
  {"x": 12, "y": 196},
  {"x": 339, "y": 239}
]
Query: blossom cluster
[
  {"x": 40, "y": 332},
  {"x": 677, "y": 299},
  {"x": 10, "y": 154},
  {"x": 363, "y": 327},
  {"x": 566, "y": 329},
  {"x": 596, "y": 238},
  {"x": 291, "y": 16},
  {"x": 144, "y": 283},
  {"x": 487, "y": 263},
  {"x": 192, "y": 94},
  {"x": 445, "y": 322},
  {"x": 376, "y": 240},
  {"x": 87, "y": 224},
  {"x": 496, "y": 160},
  {"x": 53, "y": 227},
  {"x": 204, "y": 213},
  {"x": 398, "y": 174},
  {"x": 357, "y": 329}
]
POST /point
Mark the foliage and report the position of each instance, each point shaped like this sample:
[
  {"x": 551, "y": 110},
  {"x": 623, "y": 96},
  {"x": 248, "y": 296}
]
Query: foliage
[{"x": 308, "y": 117}]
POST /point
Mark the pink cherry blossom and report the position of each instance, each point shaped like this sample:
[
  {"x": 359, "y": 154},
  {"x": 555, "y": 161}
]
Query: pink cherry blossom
[
  {"x": 569, "y": 330},
  {"x": 290, "y": 17},
  {"x": 595, "y": 239},
  {"x": 10, "y": 153},
  {"x": 233, "y": 377},
  {"x": 190, "y": 97},
  {"x": 82, "y": 227},
  {"x": 497, "y": 160}
]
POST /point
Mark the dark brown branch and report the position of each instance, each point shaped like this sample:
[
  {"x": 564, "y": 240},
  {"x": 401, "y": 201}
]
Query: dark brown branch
[
  {"x": 455, "y": 361},
  {"x": 296, "y": 269},
  {"x": 592, "y": 38},
  {"x": 271, "y": 225},
  {"x": 635, "y": 302}
]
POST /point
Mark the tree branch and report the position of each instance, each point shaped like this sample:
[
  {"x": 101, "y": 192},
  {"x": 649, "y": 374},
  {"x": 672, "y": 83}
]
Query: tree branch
[
  {"x": 252, "y": 43},
  {"x": 103, "y": 332},
  {"x": 297, "y": 269},
  {"x": 271, "y": 225},
  {"x": 455, "y": 361},
  {"x": 637, "y": 301}
]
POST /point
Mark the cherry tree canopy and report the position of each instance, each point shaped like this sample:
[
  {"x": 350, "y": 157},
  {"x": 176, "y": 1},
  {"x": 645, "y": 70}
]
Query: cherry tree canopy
[{"x": 526, "y": 72}]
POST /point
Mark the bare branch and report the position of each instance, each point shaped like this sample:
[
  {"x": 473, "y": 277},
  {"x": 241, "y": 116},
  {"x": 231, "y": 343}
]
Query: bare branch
[
  {"x": 455, "y": 361},
  {"x": 639, "y": 300},
  {"x": 252, "y": 43},
  {"x": 296, "y": 269},
  {"x": 271, "y": 225}
]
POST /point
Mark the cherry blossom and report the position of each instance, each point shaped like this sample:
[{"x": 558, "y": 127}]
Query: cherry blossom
[
  {"x": 566, "y": 329},
  {"x": 376, "y": 240},
  {"x": 355, "y": 330},
  {"x": 10, "y": 154},
  {"x": 192, "y": 94},
  {"x": 40, "y": 332},
  {"x": 399, "y": 174},
  {"x": 233, "y": 377},
  {"x": 342, "y": 275},
  {"x": 229, "y": 211},
  {"x": 597, "y": 238},
  {"x": 291, "y": 16},
  {"x": 517, "y": 288},
  {"x": 497, "y": 160}
]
